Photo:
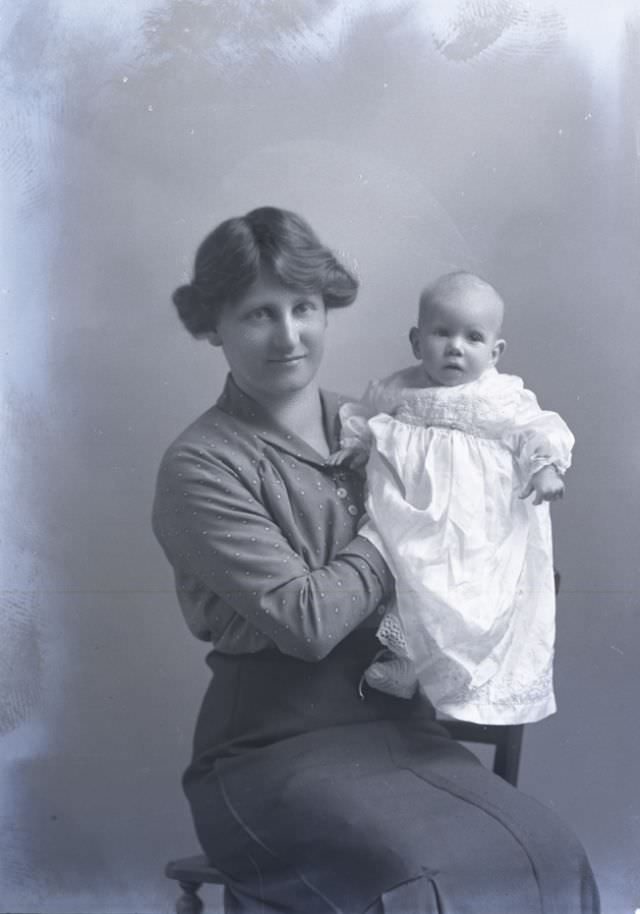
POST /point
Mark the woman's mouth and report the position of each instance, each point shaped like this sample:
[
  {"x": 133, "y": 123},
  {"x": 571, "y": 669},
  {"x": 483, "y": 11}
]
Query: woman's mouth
[{"x": 287, "y": 360}]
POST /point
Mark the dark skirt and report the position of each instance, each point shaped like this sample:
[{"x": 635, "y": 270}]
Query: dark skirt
[{"x": 311, "y": 799}]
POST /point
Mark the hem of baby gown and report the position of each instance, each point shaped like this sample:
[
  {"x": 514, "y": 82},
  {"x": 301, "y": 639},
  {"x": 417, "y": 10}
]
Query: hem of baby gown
[{"x": 498, "y": 715}]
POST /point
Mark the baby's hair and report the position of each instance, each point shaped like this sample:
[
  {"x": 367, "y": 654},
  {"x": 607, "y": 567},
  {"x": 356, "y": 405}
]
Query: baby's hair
[
  {"x": 230, "y": 258},
  {"x": 459, "y": 282}
]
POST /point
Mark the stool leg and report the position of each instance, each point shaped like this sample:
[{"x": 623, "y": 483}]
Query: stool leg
[{"x": 189, "y": 902}]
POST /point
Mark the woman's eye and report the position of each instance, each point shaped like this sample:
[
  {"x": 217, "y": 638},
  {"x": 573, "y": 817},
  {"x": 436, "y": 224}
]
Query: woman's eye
[
  {"x": 304, "y": 306},
  {"x": 258, "y": 314}
]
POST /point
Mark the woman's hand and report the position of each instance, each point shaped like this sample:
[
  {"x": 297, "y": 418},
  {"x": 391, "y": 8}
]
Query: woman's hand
[{"x": 547, "y": 484}]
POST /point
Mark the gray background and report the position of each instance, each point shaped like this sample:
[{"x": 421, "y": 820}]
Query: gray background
[{"x": 499, "y": 136}]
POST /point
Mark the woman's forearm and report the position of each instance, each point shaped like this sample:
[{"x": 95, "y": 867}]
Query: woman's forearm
[{"x": 210, "y": 525}]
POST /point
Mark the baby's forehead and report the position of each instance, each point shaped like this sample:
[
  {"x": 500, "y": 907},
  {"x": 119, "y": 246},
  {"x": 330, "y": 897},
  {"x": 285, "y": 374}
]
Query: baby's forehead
[{"x": 462, "y": 302}]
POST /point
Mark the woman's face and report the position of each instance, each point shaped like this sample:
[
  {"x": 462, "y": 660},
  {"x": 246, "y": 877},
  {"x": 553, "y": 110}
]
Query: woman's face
[{"x": 273, "y": 339}]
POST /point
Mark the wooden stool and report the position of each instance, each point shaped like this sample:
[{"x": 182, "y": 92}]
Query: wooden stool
[{"x": 191, "y": 873}]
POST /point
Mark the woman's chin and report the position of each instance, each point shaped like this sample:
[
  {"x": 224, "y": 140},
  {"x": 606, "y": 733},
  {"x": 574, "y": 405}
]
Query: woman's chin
[{"x": 289, "y": 378}]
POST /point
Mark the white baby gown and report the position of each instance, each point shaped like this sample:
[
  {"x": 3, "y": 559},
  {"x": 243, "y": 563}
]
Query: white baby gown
[{"x": 473, "y": 561}]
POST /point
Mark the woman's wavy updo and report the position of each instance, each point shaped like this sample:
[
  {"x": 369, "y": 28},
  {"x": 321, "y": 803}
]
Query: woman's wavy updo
[{"x": 230, "y": 258}]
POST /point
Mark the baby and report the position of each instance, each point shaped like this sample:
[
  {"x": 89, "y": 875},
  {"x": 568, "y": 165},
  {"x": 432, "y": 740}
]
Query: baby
[{"x": 454, "y": 451}]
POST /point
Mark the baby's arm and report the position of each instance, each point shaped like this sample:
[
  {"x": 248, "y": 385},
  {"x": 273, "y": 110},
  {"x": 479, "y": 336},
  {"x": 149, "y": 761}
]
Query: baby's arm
[
  {"x": 547, "y": 484},
  {"x": 541, "y": 443},
  {"x": 355, "y": 436},
  {"x": 353, "y": 456}
]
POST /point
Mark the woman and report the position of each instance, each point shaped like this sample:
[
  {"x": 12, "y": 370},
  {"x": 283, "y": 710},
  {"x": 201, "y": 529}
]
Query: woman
[{"x": 308, "y": 797}]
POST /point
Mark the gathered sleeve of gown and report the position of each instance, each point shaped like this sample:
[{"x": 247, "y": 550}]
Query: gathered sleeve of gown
[
  {"x": 538, "y": 438},
  {"x": 211, "y": 523},
  {"x": 354, "y": 416},
  {"x": 354, "y": 421}
]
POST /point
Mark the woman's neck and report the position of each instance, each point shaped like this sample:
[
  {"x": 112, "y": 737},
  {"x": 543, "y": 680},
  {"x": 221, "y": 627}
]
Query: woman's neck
[{"x": 300, "y": 412}]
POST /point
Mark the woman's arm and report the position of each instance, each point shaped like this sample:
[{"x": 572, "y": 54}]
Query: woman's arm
[{"x": 211, "y": 525}]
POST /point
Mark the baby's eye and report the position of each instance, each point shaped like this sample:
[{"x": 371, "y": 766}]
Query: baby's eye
[
  {"x": 476, "y": 337},
  {"x": 441, "y": 331}
]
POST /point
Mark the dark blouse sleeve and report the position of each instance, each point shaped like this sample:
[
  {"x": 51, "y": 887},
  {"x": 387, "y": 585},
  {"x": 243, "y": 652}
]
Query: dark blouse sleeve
[{"x": 210, "y": 524}]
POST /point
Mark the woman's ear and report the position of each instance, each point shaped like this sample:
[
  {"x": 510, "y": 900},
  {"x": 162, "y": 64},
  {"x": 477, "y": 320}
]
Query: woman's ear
[
  {"x": 498, "y": 348},
  {"x": 214, "y": 338},
  {"x": 414, "y": 339}
]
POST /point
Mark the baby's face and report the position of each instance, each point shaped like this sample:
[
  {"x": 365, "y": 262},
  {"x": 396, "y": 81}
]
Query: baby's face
[{"x": 458, "y": 336}]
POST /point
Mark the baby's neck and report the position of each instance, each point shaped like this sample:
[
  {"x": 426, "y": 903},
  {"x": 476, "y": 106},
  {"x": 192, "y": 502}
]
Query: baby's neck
[{"x": 424, "y": 379}]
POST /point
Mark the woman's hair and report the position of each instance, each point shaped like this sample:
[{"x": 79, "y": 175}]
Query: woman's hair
[{"x": 230, "y": 258}]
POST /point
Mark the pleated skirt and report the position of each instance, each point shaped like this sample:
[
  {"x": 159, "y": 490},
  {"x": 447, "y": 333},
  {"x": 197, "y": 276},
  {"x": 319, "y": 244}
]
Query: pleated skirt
[{"x": 310, "y": 798}]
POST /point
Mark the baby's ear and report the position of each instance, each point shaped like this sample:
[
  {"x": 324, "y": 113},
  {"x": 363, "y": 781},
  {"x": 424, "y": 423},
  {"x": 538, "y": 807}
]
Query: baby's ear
[
  {"x": 414, "y": 339},
  {"x": 498, "y": 348}
]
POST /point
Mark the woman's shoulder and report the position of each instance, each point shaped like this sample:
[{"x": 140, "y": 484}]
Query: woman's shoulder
[
  {"x": 215, "y": 437},
  {"x": 210, "y": 427}
]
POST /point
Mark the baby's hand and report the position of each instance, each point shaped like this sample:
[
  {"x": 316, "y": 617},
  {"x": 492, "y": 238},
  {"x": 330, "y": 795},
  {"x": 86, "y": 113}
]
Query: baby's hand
[
  {"x": 547, "y": 485},
  {"x": 353, "y": 456}
]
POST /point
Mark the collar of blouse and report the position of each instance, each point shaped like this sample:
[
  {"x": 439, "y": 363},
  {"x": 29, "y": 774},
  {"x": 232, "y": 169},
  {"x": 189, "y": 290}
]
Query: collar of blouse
[{"x": 245, "y": 409}]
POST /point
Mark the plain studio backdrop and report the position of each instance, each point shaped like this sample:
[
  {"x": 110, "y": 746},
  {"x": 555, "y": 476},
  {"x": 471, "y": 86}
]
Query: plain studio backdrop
[{"x": 499, "y": 136}]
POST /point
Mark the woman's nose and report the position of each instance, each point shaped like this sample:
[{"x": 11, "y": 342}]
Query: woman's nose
[{"x": 286, "y": 333}]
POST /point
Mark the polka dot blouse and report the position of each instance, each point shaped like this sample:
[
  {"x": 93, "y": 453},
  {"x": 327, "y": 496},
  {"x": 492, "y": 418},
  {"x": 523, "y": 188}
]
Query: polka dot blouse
[{"x": 262, "y": 533}]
